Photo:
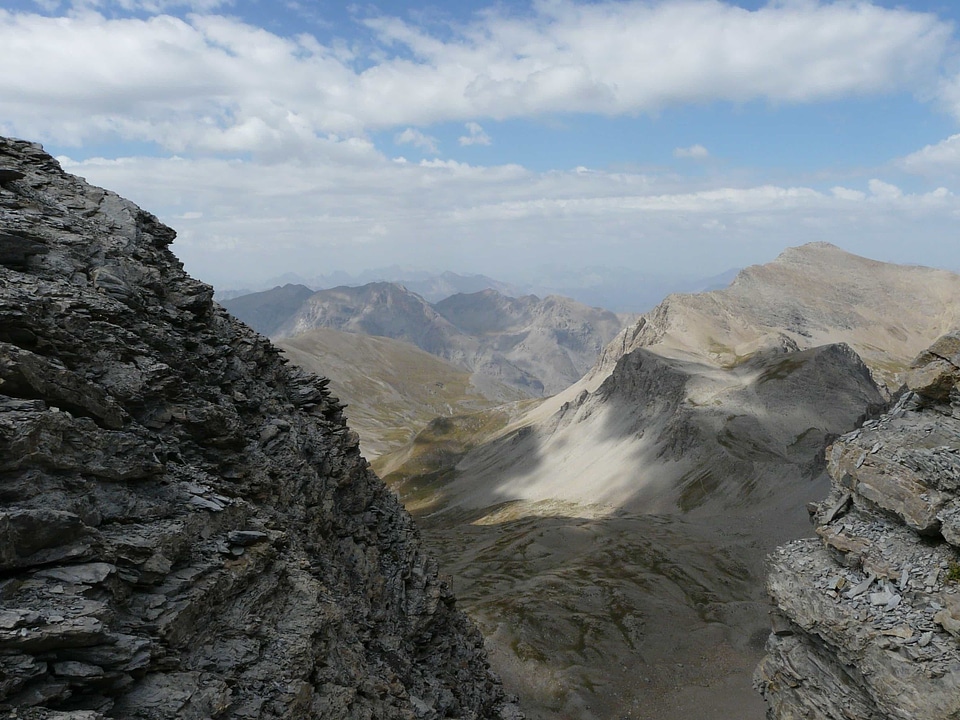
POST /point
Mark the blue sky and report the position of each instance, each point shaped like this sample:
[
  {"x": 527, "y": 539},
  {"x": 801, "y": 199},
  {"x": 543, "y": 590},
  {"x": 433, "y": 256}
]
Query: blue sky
[{"x": 671, "y": 136}]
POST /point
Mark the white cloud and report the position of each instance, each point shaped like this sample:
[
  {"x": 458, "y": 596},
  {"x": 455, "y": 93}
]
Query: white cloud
[
  {"x": 414, "y": 137},
  {"x": 477, "y": 135},
  {"x": 884, "y": 190},
  {"x": 261, "y": 220},
  {"x": 211, "y": 83},
  {"x": 842, "y": 193},
  {"x": 944, "y": 157},
  {"x": 696, "y": 152}
]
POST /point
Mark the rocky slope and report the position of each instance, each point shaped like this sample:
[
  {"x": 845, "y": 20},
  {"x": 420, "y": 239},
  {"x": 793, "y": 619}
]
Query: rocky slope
[
  {"x": 664, "y": 434},
  {"x": 537, "y": 346},
  {"x": 187, "y": 527},
  {"x": 612, "y": 554},
  {"x": 870, "y": 610}
]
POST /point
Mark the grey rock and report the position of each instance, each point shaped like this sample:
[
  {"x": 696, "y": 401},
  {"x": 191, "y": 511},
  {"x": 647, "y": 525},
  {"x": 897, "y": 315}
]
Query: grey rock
[
  {"x": 892, "y": 652},
  {"x": 131, "y": 451},
  {"x": 9, "y": 174},
  {"x": 90, "y": 573},
  {"x": 246, "y": 537}
]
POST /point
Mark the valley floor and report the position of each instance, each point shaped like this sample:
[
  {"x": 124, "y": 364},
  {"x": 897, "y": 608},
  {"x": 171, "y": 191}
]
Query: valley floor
[{"x": 619, "y": 616}]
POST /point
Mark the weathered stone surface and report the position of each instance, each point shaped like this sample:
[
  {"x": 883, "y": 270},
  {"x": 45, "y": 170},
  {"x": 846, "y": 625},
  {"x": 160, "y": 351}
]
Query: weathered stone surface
[
  {"x": 887, "y": 646},
  {"x": 935, "y": 381},
  {"x": 946, "y": 348},
  {"x": 162, "y": 555},
  {"x": 8, "y": 174}
]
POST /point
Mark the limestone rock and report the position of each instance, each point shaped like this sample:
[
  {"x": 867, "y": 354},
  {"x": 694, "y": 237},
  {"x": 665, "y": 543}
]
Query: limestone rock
[
  {"x": 164, "y": 553},
  {"x": 889, "y": 646},
  {"x": 934, "y": 380}
]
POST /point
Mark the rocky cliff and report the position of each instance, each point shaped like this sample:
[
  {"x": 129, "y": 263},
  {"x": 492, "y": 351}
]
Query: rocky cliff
[
  {"x": 187, "y": 527},
  {"x": 868, "y": 622}
]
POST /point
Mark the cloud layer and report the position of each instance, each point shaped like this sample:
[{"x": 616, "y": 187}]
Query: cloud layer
[
  {"x": 211, "y": 83},
  {"x": 241, "y": 222}
]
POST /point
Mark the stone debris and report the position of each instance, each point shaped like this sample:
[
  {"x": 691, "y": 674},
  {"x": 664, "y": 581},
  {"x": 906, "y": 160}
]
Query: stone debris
[
  {"x": 889, "y": 645},
  {"x": 188, "y": 529}
]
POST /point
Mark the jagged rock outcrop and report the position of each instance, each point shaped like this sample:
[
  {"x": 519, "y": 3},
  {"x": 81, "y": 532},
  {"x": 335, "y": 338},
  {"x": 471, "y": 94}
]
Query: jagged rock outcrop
[
  {"x": 187, "y": 528},
  {"x": 869, "y": 612}
]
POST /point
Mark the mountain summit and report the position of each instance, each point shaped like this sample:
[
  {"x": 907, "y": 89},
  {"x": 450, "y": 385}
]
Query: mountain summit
[{"x": 815, "y": 294}]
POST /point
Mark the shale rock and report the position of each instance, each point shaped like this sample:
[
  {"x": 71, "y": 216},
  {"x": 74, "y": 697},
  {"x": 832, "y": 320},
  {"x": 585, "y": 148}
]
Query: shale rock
[
  {"x": 187, "y": 527},
  {"x": 873, "y": 605}
]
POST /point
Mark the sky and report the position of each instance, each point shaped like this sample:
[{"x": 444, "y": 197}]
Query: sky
[{"x": 674, "y": 137}]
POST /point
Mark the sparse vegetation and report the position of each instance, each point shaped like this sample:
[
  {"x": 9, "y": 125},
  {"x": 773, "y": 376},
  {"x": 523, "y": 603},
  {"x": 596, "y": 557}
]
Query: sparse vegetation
[{"x": 953, "y": 572}]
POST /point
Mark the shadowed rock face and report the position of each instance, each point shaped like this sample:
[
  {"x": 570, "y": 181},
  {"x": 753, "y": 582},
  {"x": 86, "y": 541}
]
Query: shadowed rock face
[
  {"x": 187, "y": 528},
  {"x": 871, "y": 609}
]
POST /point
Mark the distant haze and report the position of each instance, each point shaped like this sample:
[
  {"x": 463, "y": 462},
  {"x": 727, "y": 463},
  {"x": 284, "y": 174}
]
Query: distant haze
[{"x": 609, "y": 288}]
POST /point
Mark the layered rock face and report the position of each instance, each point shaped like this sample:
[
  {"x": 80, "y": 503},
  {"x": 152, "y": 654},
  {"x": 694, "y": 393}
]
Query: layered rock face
[
  {"x": 870, "y": 624},
  {"x": 187, "y": 527}
]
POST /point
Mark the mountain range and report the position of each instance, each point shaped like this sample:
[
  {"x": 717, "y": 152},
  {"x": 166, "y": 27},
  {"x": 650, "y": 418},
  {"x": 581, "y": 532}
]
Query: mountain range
[
  {"x": 701, "y": 429},
  {"x": 537, "y": 346},
  {"x": 188, "y": 527},
  {"x": 619, "y": 289}
]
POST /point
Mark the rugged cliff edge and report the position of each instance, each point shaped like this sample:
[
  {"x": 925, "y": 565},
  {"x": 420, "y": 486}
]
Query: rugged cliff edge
[
  {"x": 870, "y": 624},
  {"x": 187, "y": 527}
]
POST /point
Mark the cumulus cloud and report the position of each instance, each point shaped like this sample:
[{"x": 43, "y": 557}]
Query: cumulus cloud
[
  {"x": 414, "y": 137},
  {"x": 944, "y": 157},
  {"x": 477, "y": 135},
  {"x": 843, "y": 193},
  {"x": 884, "y": 190},
  {"x": 212, "y": 83},
  {"x": 696, "y": 152}
]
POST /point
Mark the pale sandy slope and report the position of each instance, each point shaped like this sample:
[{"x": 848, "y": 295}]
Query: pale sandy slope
[
  {"x": 581, "y": 448},
  {"x": 812, "y": 295}
]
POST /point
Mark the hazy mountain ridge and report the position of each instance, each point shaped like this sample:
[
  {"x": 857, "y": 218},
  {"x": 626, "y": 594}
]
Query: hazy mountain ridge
[
  {"x": 538, "y": 346},
  {"x": 267, "y": 311},
  {"x": 622, "y": 290}
]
